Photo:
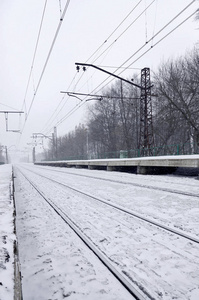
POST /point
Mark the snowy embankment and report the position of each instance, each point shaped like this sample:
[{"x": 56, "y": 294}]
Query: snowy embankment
[{"x": 7, "y": 236}]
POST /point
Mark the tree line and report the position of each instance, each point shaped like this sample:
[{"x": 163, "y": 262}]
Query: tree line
[{"x": 113, "y": 123}]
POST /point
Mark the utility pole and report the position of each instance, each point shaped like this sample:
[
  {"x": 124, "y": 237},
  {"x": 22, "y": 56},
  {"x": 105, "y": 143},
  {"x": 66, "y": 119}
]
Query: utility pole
[
  {"x": 7, "y": 160},
  {"x": 55, "y": 142},
  {"x": 146, "y": 139},
  {"x": 33, "y": 155},
  {"x": 6, "y": 112}
]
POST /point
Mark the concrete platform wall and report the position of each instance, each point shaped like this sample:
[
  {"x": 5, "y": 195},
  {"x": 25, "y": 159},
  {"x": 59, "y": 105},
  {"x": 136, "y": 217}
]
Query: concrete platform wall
[{"x": 145, "y": 165}]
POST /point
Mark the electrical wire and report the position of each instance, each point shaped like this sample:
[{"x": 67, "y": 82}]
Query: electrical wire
[
  {"x": 111, "y": 36},
  {"x": 114, "y": 30},
  {"x": 34, "y": 55},
  {"x": 144, "y": 45},
  {"x": 47, "y": 59},
  {"x": 162, "y": 38},
  {"x": 83, "y": 102},
  {"x": 144, "y": 11},
  {"x": 111, "y": 45},
  {"x": 112, "y": 67},
  {"x": 154, "y": 21},
  {"x": 8, "y": 106},
  {"x": 154, "y": 35},
  {"x": 54, "y": 115}
]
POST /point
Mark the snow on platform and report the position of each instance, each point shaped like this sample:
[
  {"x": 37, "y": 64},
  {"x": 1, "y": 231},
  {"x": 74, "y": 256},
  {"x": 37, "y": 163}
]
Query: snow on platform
[
  {"x": 144, "y": 165},
  {"x": 7, "y": 236}
]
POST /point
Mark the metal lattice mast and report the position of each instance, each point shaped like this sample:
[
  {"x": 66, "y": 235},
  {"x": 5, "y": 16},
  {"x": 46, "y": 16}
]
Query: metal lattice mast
[{"x": 146, "y": 141}]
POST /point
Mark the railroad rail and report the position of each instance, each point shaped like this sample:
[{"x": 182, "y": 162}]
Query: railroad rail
[
  {"x": 128, "y": 211},
  {"x": 132, "y": 184},
  {"x": 93, "y": 213},
  {"x": 124, "y": 280}
]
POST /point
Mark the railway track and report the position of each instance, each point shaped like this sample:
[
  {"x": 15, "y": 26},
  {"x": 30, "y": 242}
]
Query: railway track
[
  {"x": 89, "y": 216},
  {"x": 172, "y": 191},
  {"x": 120, "y": 208},
  {"x": 124, "y": 280}
]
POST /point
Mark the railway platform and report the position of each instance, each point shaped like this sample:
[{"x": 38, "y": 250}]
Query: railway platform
[{"x": 143, "y": 165}]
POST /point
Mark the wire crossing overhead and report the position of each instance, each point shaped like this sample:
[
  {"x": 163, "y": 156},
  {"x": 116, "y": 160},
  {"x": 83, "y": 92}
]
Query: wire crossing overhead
[
  {"x": 97, "y": 90},
  {"x": 47, "y": 59}
]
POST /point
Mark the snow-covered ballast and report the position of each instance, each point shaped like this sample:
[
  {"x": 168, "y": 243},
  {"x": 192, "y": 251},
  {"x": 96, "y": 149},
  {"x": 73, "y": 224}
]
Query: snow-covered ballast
[{"x": 144, "y": 165}]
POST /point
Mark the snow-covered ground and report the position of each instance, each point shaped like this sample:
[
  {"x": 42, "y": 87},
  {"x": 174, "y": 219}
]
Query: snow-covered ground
[
  {"x": 55, "y": 264},
  {"x": 7, "y": 236},
  {"x": 166, "y": 266}
]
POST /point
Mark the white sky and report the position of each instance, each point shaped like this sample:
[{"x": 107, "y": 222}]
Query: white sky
[{"x": 86, "y": 26}]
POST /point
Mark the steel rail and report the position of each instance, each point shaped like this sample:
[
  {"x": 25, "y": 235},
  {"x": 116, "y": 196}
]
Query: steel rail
[
  {"x": 127, "y": 183},
  {"x": 127, "y": 211},
  {"x": 125, "y": 281}
]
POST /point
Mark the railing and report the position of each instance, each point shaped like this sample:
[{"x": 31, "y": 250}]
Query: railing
[{"x": 174, "y": 149}]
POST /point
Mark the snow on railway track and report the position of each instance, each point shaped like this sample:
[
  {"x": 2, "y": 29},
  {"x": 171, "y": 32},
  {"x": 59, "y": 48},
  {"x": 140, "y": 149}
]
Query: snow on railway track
[
  {"x": 130, "y": 244},
  {"x": 161, "y": 184},
  {"x": 128, "y": 211},
  {"x": 149, "y": 199},
  {"x": 55, "y": 263}
]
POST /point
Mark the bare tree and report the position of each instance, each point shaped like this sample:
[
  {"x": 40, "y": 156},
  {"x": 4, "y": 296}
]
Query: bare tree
[{"x": 178, "y": 85}]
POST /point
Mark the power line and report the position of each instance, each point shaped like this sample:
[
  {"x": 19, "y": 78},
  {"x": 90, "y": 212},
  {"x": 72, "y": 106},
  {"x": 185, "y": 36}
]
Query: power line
[
  {"x": 83, "y": 102},
  {"x": 163, "y": 38},
  {"x": 111, "y": 45},
  {"x": 111, "y": 36},
  {"x": 112, "y": 67},
  {"x": 145, "y": 45},
  {"x": 124, "y": 31},
  {"x": 8, "y": 106},
  {"x": 34, "y": 55},
  {"x": 160, "y": 31},
  {"x": 47, "y": 59},
  {"x": 53, "y": 116},
  {"x": 114, "y": 31},
  {"x": 155, "y": 35}
]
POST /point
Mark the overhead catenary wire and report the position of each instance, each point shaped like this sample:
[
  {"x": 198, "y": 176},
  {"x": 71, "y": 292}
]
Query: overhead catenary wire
[
  {"x": 34, "y": 55},
  {"x": 47, "y": 59},
  {"x": 117, "y": 37},
  {"x": 154, "y": 21},
  {"x": 144, "y": 11},
  {"x": 118, "y": 26},
  {"x": 106, "y": 40},
  {"x": 8, "y": 106},
  {"x": 97, "y": 90},
  {"x": 145, "y": 44},
  {"x": 112, "y": 44},
  {"x": 191, "y": 15},
  {"x": 154, "y": 35},
  {"x": 114, "y": 67},
  {"x": 56, "y": 112}
]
